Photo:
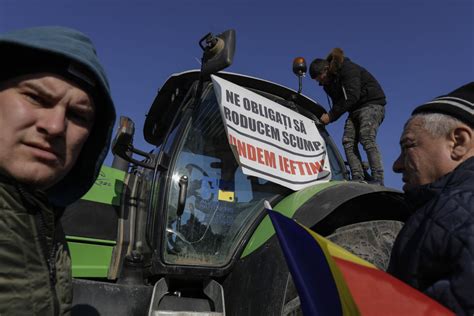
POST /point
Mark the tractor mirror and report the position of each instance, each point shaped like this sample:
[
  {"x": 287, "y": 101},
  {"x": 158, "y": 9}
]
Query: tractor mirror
[
  {"x": 122, "y": 145},
  {"x": 218, "y": 52},
  {"x": 123, "y": 141}
]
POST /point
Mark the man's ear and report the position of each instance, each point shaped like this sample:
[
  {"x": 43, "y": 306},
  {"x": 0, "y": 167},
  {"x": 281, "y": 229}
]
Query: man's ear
[{"x": 463, "y": 138}]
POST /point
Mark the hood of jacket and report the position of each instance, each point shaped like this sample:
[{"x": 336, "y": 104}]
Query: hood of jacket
[{"x": 26, "y": 51}]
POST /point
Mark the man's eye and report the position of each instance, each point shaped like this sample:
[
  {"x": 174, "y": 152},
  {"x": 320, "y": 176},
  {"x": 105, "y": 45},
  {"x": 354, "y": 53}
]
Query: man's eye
[
  {"x": 77, "y": 116},
  {"x": 408, "y": 146},
  {"x": 80, "y": 117},
  {"x": 34, "y": 98}
]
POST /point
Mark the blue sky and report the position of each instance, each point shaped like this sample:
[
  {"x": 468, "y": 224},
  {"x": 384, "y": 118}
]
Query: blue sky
[{"x": 417, "y": 49}]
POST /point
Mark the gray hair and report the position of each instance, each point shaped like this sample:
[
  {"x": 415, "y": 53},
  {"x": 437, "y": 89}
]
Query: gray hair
[{"x": 437, "y": 124}]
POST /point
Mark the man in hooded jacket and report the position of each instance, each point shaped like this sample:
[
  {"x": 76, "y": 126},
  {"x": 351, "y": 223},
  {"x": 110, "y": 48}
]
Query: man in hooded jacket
[
  {"x": 354, "y": 90},
  {"x": 56, "y": 120}
]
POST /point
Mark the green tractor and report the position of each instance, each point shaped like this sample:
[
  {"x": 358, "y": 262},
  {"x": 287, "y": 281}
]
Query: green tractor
[{"x": 181, "y": 230}]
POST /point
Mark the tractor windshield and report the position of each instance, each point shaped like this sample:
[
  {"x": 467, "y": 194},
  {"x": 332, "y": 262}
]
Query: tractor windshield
[{"x": 211, "y": 203}]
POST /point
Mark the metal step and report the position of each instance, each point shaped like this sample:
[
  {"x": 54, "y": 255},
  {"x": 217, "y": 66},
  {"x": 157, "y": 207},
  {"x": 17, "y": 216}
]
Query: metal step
[
  {"x": 175, "y": 313},
  {"x": 165, "y": 303}
]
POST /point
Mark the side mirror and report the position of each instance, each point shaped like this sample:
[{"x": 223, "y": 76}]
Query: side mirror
[
  {"x": 218, "y": 52},
  {"x": 299, "y": 69},
  {"x": 122, "y": 145}
]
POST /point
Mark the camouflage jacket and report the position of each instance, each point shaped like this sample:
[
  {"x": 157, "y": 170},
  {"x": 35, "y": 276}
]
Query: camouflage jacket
[{"x": 35, "y": 266}]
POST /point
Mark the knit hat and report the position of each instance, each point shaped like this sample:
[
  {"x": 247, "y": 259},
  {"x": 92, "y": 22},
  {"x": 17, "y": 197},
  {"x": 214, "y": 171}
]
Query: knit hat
[
  {"x": 458, "y": 104},
  {"x": 317, "y": 66},
  {"x": 71, "y": 54}
]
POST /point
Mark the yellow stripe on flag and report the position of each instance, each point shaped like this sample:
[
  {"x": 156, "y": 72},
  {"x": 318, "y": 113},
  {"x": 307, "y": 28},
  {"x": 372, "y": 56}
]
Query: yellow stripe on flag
[
  {"x": 348, "y": 304},
  {"x": 341, "y": 253}
]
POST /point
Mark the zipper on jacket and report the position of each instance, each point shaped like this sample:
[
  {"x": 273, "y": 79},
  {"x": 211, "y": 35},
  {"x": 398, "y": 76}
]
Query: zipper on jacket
[
  {"x": 49, "y": 253},
  {"x": 50, "y": 256},
  {"x": 344, "y": 92}
]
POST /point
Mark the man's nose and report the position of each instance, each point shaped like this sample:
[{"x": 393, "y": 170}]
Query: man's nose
[
  {"x": 398, "y": 165},
  {"x": 53, "y": 121}
]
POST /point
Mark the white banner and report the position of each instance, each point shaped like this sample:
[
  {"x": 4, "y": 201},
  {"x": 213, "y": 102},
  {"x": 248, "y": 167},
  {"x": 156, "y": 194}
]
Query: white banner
[{"x": 271, "y": 141}]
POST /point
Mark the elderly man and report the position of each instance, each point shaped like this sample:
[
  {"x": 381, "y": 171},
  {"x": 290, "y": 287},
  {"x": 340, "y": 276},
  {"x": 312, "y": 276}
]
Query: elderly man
[
  {"x": 434, "y": 251},
  {"x": 56, "y": 118}
]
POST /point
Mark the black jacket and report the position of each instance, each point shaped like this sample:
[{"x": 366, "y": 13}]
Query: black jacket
[
  {"x": 434, "y": 251},
  {"x": 351, "y": 87}
]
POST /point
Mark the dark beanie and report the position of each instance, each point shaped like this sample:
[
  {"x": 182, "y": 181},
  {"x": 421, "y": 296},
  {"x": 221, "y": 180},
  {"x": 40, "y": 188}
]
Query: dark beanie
[
  {"x": 317, "y": 66},
  {"x": 458, "y": 104}
]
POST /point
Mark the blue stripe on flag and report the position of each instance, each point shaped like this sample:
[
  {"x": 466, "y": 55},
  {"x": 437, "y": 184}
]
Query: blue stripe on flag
[{"x": 309, "y": 268}]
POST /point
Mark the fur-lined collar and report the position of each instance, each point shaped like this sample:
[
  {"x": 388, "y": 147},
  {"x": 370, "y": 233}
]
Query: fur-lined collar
[{"x": 335, "y": 60}]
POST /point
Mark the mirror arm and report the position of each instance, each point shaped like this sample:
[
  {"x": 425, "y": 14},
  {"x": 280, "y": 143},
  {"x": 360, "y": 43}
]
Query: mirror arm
[
  {"x": 148, "y": 159},
  {"x": 122, "y": 145},
  {"x": 125, "y": 152}
]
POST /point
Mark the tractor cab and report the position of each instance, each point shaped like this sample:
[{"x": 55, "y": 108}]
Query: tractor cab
[{"x": 210, "y": 204}]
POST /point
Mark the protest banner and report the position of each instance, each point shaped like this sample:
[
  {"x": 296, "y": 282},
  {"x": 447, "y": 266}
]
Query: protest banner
[{"x": 271, "y": 141}]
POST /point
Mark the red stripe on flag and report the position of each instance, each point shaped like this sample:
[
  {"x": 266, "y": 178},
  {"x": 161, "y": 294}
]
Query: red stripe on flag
[{"x": 378, "y": 293}]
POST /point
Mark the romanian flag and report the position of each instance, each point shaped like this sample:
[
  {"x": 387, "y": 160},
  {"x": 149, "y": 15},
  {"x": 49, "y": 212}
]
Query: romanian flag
[{"x": 332, "y": 281}]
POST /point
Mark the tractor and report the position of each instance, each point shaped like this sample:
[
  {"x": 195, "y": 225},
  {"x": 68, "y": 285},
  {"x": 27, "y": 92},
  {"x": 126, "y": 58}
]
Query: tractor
[{"x": 182, "y": 230}]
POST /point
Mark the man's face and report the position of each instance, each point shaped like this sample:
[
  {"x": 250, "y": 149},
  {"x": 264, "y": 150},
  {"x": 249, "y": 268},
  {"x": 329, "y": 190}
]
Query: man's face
[
  {"x": 423, "y": 158},
  {"x": 44, "y": 122}
]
